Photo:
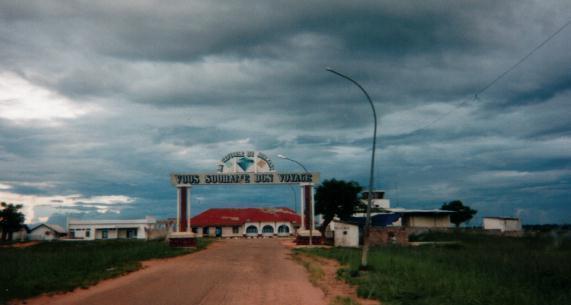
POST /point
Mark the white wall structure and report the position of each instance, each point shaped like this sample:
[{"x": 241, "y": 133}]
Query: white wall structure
[
  {"x": 111, "y": 229},
  {"x": 345, "y": 234},
  {"x": 422, "y": 218},
  {"x": 46, "y": 232},
  {"x": 378, "y": 200},
  {"x": 503, "y": 224}
]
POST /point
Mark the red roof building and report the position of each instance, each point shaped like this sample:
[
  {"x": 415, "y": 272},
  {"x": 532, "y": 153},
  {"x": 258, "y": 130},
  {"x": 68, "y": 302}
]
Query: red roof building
[{"x": 246, "y": 222}]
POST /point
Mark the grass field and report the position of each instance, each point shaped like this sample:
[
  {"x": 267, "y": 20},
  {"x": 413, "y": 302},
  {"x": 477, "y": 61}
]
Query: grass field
[
  {"x": 63, "y": 266},
  {"x": 480, "y": 270}
]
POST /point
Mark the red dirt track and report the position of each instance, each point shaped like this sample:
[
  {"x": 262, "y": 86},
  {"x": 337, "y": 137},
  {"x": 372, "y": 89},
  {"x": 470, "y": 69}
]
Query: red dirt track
[{"x": 245, "y": 271}]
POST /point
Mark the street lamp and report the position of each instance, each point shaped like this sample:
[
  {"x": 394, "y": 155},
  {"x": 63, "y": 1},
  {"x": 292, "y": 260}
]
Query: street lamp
[
  {"x": 292, "y": 160},
  {"x": 371, "y": 176},
  {"x": 312, "y": 220}
]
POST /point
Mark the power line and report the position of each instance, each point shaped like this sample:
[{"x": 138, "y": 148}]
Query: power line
[{"x": 476, "y": 95}]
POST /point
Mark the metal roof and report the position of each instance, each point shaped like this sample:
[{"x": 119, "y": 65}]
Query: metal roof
[
  {"x": 239, "y": 216},
  {"x": 501, "y": 218},
  {"x": 51, "y": 226}
]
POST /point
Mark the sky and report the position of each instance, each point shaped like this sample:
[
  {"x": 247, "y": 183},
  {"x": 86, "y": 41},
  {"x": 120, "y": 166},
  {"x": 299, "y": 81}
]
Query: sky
[{"x": 101, "y": 100}]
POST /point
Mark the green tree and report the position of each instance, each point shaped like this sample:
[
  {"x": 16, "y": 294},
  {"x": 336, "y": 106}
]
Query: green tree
[
  {"x": 336, "y": 198},
  {"x": 463, "y": 212},
  {"x": 11, "y": 219}
]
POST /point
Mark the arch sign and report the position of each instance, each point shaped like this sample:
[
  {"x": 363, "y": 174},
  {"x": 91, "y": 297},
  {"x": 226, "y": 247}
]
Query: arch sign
[{"x": 244, "y": 168}]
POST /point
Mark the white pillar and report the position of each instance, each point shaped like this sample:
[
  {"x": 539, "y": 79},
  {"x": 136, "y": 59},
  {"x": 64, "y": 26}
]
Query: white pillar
[{"x": 312, "y": 207}]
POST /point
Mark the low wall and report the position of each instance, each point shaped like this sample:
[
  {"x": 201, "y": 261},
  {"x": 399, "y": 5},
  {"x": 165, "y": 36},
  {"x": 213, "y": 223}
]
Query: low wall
[{"x": 389, "y": 235}]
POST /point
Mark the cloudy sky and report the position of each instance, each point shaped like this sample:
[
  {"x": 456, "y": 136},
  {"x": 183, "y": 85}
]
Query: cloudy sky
[{"x": 101, "y": 100}]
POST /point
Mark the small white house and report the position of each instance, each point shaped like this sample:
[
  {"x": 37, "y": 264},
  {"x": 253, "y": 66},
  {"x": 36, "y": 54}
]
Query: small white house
[
  {"x": 502, "y": 224},
  {"x": 46, "y": 231},
  {"x": 110, "y": 229},
  {"x": 345, "y": 234}
]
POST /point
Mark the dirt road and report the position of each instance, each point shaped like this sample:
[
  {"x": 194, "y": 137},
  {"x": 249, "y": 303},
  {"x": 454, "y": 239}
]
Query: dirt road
[{"x": 246, "y": 271}]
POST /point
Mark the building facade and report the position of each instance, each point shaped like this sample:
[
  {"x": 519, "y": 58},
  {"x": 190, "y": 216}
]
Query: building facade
[
  {"x": 345, "y": 234},
  {"x": 422, "y": 218},
  {"x": 378, "y": 199},
  {"x": 245, "y": 222},
  {"x": 46, "y": 231},
  {"x": 111, "y": 229},
  {"x": 502, "y": 224}
]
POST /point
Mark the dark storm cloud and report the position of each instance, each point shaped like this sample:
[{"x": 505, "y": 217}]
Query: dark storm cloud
[{"x": 175, "y": 86}]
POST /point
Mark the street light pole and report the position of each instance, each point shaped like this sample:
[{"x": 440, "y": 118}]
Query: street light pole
[
  {"x": 367, "y": 230},
  {"x": 311, "y": 220}
]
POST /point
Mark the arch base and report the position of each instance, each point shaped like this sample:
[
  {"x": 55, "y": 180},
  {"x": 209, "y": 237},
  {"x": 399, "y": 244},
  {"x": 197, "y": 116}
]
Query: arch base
[
  {"x": 302, "y": 237},
  {"x": 182, "y": 240}
]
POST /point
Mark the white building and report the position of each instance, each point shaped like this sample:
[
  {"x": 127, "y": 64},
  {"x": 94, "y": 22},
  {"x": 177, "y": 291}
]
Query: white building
[
  {"x": 46, "y": 231},
  {"x": 247, "y": 222},
  {"x": 378, "y": 200},
  {"x": 502, "y": 224},
  {"x": 110, "y": 229},
  {"x": 411, "y": 218},
  {"x": 345, "y": 234}
]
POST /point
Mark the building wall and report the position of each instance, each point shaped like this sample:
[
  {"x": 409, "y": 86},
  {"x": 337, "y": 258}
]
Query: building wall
[
  {"x": 229, "y": 231},
  {"x": 96, "y": 230},
  {"x": 426, "y": 221},
  {"x": 346, "y": 235},
  {"x": 390, "y": 235},
  {"x": 502, "y": 225},
  {"x": 20, "y": 235},
  {"x": 42, "y": 233}
]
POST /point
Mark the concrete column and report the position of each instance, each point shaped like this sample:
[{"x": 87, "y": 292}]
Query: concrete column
[
  {"x": 302, "y": 208},
  {"x": 183, "y": 209},
  {"x": 307, "y": 190}
]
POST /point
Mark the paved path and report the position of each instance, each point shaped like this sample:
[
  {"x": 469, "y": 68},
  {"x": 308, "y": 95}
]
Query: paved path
[{"x": 245, "y": 271}]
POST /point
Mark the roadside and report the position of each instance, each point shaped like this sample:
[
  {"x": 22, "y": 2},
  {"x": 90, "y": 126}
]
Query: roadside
[
  {"x": 31, "y": 269},
  {"x": 323, "y": 273},
  {"x": 476, "y": 269},
  {"x": 19, "y": 244}
]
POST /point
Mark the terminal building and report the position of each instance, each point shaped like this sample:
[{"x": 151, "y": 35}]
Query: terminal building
[
  {"x": 409, "y": 218},
  {"x": 246, "y": 222},
  {"x": 111, "y": 229}
]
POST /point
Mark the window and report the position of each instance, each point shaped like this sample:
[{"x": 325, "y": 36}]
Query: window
[
  {"x": 283, "y": 229},
  {"x": 268, "y": 229},
  {"x": 235, "y": 230},
  {"x": 194, "y": 230},
  {"x": 252, "y": 230},
  {"x": 88, "y": 233},
  {"x": 131, "y": 233},
  {"x": 104, "y": 234},
  {"x": 205, "y": 230}
]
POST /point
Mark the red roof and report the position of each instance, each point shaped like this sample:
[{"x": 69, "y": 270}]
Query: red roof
[{"x": 235, "y": 217}]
